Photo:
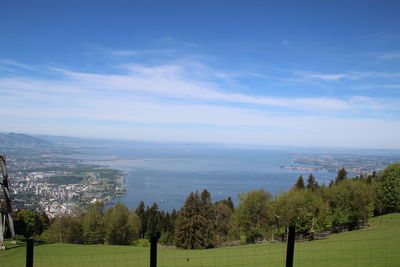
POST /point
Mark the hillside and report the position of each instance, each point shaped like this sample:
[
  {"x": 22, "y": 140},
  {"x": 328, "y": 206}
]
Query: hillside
[
  {"x": 17, "y": 140},
  {"x": 377, "y": 245}
]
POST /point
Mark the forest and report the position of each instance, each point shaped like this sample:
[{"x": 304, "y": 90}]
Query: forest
[{"x": 345, "y": 204}]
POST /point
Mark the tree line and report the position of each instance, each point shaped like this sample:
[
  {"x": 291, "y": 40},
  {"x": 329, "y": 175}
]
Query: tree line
[{"x": 344, "y": 204}]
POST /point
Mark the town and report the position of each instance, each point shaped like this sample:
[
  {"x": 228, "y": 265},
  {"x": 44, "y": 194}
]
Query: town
[
  {"x": 48, "y": 178},
  {"x": 49, "y": 193}
]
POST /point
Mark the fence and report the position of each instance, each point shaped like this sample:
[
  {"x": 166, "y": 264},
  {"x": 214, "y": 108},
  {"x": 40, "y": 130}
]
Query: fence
[{"x": 328, "y": 252}]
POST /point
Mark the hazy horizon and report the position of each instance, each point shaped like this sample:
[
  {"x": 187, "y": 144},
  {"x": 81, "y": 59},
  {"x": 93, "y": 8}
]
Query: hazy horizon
[{"x": 97, "y": 141}]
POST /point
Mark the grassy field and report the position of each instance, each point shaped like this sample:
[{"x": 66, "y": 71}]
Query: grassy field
[{"x": 378, "y": 245}]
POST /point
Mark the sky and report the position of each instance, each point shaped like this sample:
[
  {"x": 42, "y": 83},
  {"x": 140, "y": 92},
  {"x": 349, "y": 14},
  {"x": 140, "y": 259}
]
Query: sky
[{"x": 293, "y": 73}]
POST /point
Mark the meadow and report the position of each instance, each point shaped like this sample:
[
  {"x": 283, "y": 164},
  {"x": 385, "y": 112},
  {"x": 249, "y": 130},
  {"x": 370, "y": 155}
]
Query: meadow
[{"x": 377, "y": 245}]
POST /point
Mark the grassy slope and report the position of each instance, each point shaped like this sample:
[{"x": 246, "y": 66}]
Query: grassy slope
[{"x": 378, "y": 245}]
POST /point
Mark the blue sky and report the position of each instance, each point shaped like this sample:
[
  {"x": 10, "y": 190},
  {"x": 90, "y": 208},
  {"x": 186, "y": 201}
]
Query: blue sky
[{"x": 304, "y": 73}]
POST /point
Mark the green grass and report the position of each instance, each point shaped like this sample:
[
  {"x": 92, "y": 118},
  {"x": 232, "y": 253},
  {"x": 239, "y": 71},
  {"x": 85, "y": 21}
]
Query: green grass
[{"x": 378, "y": 245}]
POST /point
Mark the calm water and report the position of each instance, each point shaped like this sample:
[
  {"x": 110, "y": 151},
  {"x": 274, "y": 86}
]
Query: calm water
[{"x": 166, "y": 174}]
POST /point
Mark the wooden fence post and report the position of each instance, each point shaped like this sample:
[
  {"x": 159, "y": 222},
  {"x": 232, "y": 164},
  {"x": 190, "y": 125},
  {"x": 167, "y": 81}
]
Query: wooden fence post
[
  {"x": 290, "y": 246},
  {"x": 29, "y": 252}
]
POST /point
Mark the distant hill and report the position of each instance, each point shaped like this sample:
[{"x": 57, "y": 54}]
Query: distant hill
[{"x": 17, "y": 140}]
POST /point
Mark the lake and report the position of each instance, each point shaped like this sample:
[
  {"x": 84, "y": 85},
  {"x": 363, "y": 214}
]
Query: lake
[{"x": 167, "y": 173}]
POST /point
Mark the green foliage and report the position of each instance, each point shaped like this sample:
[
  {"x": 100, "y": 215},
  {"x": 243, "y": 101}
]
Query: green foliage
[
  {"x": 222, "y": 215},
  {"x": 121, "y": 225},
  {"x": 153, "y": 219},
  {"x": 193, "y": 227},
  {"x": 29, "y": 223},
  {"x": 141, "y": 213},
  {"x": 341, "y": 175},
  {"x": 164, "y": 238},
  {"x": 66, "y": 179},
  {"x": 351, "y": 202},
  {"x": 316, "y": 216},
  {"x": 346, "y": 204},
  {"x": 65, "y": 229},
  {"x": 390, "y": 186},
  {"x": 93, "y": 224},
  {"x": 208, "y": 213},
  {"x": 311, "y": 183},
  {"x": 300, "y": 183},
  {"x": 141, "y": 243},
  {"x": 376, "y": 246},
  {"x": 253, "y": 217},
  {"x": 289, "y": 206}
]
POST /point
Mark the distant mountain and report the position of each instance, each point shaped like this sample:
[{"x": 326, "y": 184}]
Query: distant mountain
[{"x": 17, "y": 140}]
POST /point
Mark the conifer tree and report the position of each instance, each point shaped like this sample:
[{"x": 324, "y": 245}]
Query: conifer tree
[
  {"x": 207, "y": 211},
  {"x": 341, "y": 175},
  {"x": 192, "y": 228},
  {"x": 230, "y": 204},
  {"x": 141, "y": 213},
  {"x": 311, "y": 183},
  {"x": 300, "y": 183},
  {"x": 152, "y": 221}
]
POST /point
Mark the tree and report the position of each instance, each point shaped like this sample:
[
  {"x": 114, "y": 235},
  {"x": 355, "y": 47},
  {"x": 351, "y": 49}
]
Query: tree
[
  {"x": 289, "y": 206},
  {"x": 378, "y": 193},
  {"x": 65, "y": 229},
  {"x": 229, "y": 203},
  {"x": 192, "y": 228},
  {"x": 341, "y": 175},
  {"x": 207, "y": 211},
  {"x": 351, "y": 202},
  {"x": 311, "y": 182},
  {"x": 316, "y": 216},
  {"x": 253, "y": 216},
  {"x": 167, "y": 237},
  {"x": 166, "y": 227},
  {"x": 29, "y": 223},
  {"x": 93, "y": 225},
  {"x": 152, "y": 221},
  {"x": 222, "y": 216},
  {"x": 141, "y": 213},
  {"x": 300, "y": 183},
  {"x": 390, "y": 184},
  {"x": 121, "y": 225}
]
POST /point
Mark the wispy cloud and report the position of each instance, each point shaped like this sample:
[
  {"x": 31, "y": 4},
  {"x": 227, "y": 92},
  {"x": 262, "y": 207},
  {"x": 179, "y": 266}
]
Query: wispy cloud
[
  {"x": 171, "y": 81},
  {"x": 13, "y": 63},
  {"x": 350, "y": 75},
  {"x": 324, "y": 76},
  {"x": 130, "y": 53},
  {"x": 329, "y": 77},
  {"x": 143, "y": 98},
  {"x": 394, "y": 55}
]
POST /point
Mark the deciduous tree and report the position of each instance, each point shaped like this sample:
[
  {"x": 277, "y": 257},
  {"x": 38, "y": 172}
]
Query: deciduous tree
[{"x": 390, "y": 184}]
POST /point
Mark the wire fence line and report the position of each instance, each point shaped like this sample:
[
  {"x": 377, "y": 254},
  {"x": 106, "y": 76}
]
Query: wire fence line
[{"x": 371, "y": 252}]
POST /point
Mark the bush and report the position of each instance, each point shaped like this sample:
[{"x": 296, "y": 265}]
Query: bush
[{"x": 142, "y": 243}]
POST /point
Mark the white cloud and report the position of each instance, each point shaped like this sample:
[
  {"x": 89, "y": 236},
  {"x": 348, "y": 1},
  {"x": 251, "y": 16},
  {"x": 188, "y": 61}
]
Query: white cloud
[
  {"x": 124, "y": 52},
  {"x": 128, "y": 53},
  {"x": 170, "y": 81},
  {"x": 166, "y": 103},
  {"x": 329, "y": 77},
  {"x": 394, "y": 55},
  {"x": 17, "y": 64},
  {"x": 324, "y": 76}
]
